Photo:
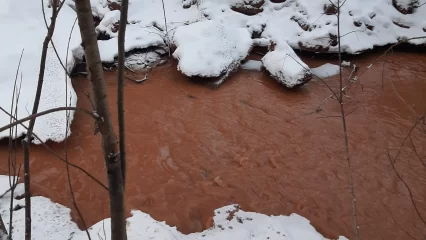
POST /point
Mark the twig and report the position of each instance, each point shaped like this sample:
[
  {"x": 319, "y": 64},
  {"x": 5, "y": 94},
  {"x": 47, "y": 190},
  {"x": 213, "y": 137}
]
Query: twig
[
  {"x": 90, "y": 100},
  {"x": 13, "y": 180},
  {"x": 57, "y": 155},
  {"x": 406, "y": 185},
  {"x": 39, "y": 114},
  {"x": 165, "y": 25},
  {"x": 138, "y": 80},
  {"x": 131, "y": 70},
  {"x": 51, "y": 40},
  {"x": 37, "y": 98},
  {"x": 67, "y": 117},
  {"x": 384, "y": 55},
  {"x": 69, "y": 180},
  {"x": 339, "y": 115},
  {"x": 417, "y": 153},
  {"x": 407, "y": 136},
  {"x": 399, "y": 96}
]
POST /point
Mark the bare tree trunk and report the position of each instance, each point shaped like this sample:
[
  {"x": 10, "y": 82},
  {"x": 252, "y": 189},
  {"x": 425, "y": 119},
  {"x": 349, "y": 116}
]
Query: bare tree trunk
[
  {"x": 120, "y": 81},
  {"x": 109, "y": 140},
  {"x": 25, "y": 142}
]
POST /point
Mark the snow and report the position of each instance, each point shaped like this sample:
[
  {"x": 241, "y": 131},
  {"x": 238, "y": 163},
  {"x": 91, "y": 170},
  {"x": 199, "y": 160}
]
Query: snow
[
  {"x": 252, "y": 65},
  {"x": 210, "y": 48},
  {"x": 52, "y": 221},
  {"x": 379, "y": 15},
  {"x": 326, "y": 70},
  {"x": 136, "y": 38},
  {"x": 24, "y": 28},
  {"x": 346, "y": 63}
]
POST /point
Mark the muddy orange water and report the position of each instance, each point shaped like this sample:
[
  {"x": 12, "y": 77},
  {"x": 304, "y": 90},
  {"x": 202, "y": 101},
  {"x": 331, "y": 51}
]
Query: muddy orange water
[{"x": 192, "y": 149}]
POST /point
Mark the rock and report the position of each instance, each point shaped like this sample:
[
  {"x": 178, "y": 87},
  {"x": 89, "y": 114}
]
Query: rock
[
  {"x": 210, "y": 51},
  {"x": 303, "y": 24},
  {"x": 285, "y": 66},
  {"x": 399, "y": 23},
  {"x": 405, "y": 6},
  {"x": 113, "y": 5},
  {"x": 218, "y": 180},
  {"x": 357, "y": 24},
  {"x": 314, "y": 47},
  {"x": 250, "y": 7},
  {"x": 330, "y": 9},
  {"x": 188, "y": 3}
]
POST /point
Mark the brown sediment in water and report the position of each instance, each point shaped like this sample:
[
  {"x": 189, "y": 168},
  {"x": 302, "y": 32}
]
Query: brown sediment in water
[{"x": 192, "y": 149}]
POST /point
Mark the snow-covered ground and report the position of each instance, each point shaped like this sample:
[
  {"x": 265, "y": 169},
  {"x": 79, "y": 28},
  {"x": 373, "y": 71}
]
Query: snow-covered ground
[
  {"x": 52, "y": 221},
  {"x": 24, "y": 30}
]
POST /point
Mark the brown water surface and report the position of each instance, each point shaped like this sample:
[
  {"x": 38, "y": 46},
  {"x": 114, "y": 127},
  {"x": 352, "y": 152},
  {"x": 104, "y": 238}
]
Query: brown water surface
[{"x": 192, "y": 149}]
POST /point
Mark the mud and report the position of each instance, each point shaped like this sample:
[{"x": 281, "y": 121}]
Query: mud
[{"x": 192, "y": 149}]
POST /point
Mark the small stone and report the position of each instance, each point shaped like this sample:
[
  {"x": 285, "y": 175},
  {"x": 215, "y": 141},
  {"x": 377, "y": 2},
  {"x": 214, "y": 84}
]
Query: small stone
[{"x": 218, "y": 180}]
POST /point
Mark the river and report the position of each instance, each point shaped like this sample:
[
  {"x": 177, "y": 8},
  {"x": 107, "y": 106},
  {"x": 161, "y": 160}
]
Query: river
[{"x": 192, "y": 149}]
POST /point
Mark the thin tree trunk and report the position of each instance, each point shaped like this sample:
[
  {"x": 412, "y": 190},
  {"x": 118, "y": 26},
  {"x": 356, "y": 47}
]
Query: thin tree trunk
[
  {"x": 108, "y": 138},
  {"x": 120, "y": 81},
  {"x": 25, "y": 142},
  {"x": 345, "y": 132}
]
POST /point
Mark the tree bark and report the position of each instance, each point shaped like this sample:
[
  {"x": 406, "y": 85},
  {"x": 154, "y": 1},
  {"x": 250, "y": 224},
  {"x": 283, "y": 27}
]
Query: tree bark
[
  {"x": 108, "y": 138},
  {"x": 120, "y": 89}
]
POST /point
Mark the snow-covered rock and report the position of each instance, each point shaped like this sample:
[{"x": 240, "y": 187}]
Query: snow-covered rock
[
  {"x": 285, "y": 66},
  {"x": 211, "y": 49},
  {"x": 136, "y": 38}
]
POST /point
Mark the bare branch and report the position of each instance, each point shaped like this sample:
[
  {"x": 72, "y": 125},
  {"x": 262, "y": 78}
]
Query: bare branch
[
  {"x": 39, "y": 114},
  {"x": 57, "y": 155},
  {"x": 165, "y": 25},
  {"x": 406, "y": 186}
]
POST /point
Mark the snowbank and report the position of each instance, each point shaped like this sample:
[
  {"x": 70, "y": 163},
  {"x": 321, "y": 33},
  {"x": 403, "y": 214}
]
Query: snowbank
[
  {"x": 24, "y": 28},
  {"x": 364, "y": 23},
  {"x": 52, "y": 221},
  {"x": 210, "y": 49},
  {"x": 301, "y": 24}
]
